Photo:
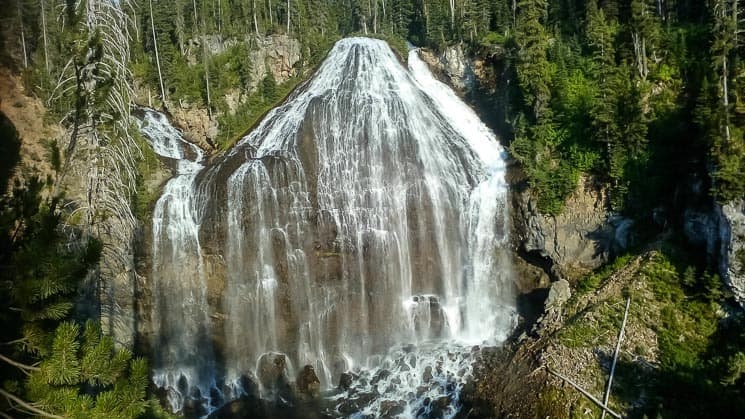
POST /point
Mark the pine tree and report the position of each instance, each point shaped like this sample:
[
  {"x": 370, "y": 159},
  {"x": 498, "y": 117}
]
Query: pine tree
[
  {"x": 533, "y": 68},
  {"x": 51, "y": 370}
]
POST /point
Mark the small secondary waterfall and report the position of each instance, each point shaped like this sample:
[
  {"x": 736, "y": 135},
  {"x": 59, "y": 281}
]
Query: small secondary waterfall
[{"x": 362, "y": 226}]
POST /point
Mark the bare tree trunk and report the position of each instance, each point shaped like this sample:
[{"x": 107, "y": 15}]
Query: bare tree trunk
[
  {"x": 194, "y": 6},
  {"x": 514, "y": 13},
  {"x": 452, "y": 14},
  {"x": 288, "y": 17},
  {"x": 725, "y": 99},
  {"x": 157, "y": 57},
  {"x": 375, "y": 17},
  {"x": 207, "y": 81},
  {"x": 271, "y": 23},
  {"x": 584, "y": 392},
  {"x": 23, "y": 37},
  {"x": 735, "y": 22},
  {"x": 219, "y": 17},
  {"x": 44, "y": 33},
  {"x": 615, "y": 357},
  {"x": 256, "y": 23}
]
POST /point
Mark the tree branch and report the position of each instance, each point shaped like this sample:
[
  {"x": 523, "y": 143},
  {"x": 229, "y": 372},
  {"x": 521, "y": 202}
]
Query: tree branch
[
  {"x": 28, "y": 406},
  {"x": 584, "y": 392},
  {"x": 25, "y": 368},
  {"x": 615, "y": 356}
]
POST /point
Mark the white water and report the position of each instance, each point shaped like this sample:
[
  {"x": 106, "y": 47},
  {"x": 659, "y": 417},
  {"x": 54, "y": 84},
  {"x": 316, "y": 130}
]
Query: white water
[
  {"x": 366, "y": 213},
  {"x": 180, "y": 324}
]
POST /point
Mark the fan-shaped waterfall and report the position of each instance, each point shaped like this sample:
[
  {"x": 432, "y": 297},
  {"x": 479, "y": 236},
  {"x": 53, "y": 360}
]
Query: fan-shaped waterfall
[{"x": 362, "y": 226}]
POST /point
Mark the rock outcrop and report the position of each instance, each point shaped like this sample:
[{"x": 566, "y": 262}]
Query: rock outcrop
[
  {"x": 732, "y": 235},
  {"x": 574, "y": 242},
  {"x": 720, "y": 232}
]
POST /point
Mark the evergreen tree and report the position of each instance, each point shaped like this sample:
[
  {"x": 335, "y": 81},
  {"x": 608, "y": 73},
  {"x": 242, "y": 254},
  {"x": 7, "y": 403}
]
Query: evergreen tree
[{"x": 49, "y": 368}]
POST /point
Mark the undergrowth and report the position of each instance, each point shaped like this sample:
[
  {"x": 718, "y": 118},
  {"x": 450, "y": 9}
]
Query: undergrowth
[{"x": 699, "y": 335}]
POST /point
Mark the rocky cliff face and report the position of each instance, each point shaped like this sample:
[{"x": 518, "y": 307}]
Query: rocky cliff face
[
  {"x": 574, "y": 242},
  {"x": 277, "y": 54},
  {"x": 720, "y": 232},
  {"x": 732, "y": 250}
]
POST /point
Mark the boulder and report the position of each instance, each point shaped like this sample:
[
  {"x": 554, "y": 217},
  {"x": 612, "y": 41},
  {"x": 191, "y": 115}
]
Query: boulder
[
  {"x": 272, "y": 374},
  {"x": 558, "y": 294},
  {"x": 307, "y": 382}
]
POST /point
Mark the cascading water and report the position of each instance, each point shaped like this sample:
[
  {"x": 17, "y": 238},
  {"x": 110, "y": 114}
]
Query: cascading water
[
  {"x": 180, "y": 322},
  {"x": 362, "y": 227}
]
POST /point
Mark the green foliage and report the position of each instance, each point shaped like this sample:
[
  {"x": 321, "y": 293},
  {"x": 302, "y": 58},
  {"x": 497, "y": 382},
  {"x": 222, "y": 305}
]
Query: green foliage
[
  {"x": 593, "y": 280},
  {"x": 147, "y": 168},
  {"x": 701, "y": 366},
  {"x": 62, "y": 373},
  {"x": 85, "y": 376},
  {"x": 236, "y": 125}
]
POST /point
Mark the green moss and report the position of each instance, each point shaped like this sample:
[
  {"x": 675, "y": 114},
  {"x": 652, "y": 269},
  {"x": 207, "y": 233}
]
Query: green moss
[
  {"x": 147, "y": 166},
  {"x": 592, "y": 281}
]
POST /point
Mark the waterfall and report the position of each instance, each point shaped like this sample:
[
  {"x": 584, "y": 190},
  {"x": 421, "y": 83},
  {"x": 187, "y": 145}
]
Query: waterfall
[{"x": 362, "y": 226}]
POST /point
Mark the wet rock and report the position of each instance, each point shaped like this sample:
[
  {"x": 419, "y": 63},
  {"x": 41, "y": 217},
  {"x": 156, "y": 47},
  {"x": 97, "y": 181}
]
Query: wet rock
[
  {"x": 391, "y": 408},
  {"x": 427, "y": 375},
  {"x": 354, "y": 405},
  {"x": 308, "y": 383},
  {"x": 721, "y": 232},
  {"x": 732, "y": 234},
  {"x": 581, "y": 238},
  {"x": 272, "y": 374},
  {"x": 380, "y": 375},
  {"x": 345, "y": 381}
]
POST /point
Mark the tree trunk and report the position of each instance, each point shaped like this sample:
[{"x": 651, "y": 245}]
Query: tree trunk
[
  {"x": 256, "y": 24},
  {"x": 194, "y": 6},
  {"x": 23, "y": 37},
  {"x": 288, "y": 17},
  {"x": 615, "y": 356},
  {"x": 157, "y": 57},
  {"x": 725, "y": 99},
  {"x": 452, "y": 14},
  {"x": 44, "y": 33},
  {"x": 219, "y": 17}
]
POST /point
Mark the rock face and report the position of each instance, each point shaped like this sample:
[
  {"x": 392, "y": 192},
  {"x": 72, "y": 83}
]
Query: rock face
[
  {"x": 275, "y": 54},
  {"x": 559, "y": 293},
  {"x": 574, "y": 242},
  {"x": 732, "y": 235},
  {"x": 457, "y": 68},
  {"x": 196, "y": 125},
  {"x": 720, "y": 231}
]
